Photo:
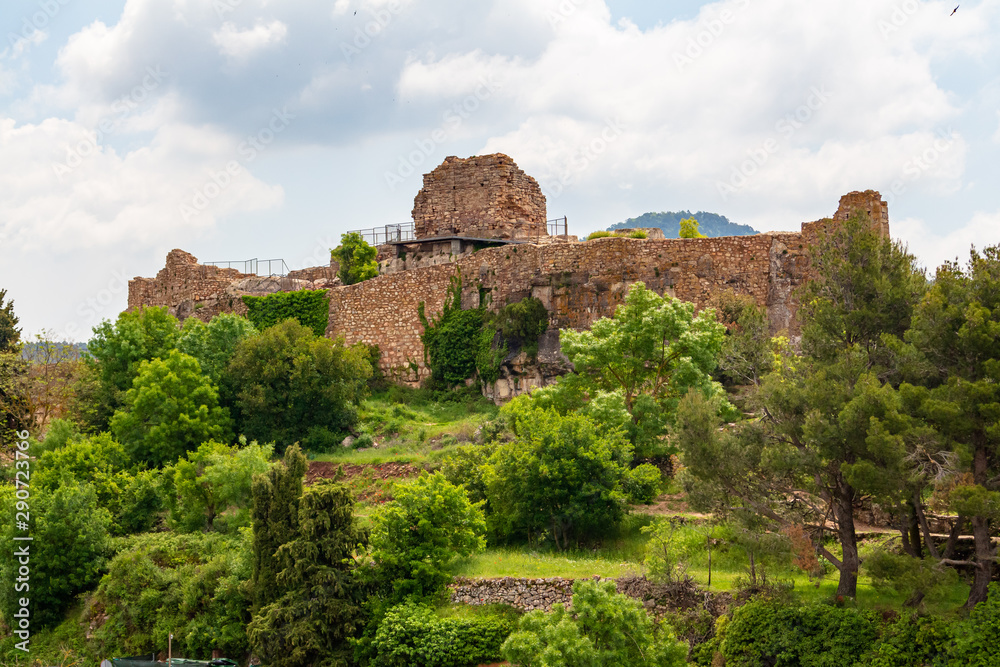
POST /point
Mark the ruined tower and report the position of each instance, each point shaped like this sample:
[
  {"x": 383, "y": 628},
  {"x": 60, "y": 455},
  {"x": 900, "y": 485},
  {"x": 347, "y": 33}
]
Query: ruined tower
[{"x": 484, "y": 196}]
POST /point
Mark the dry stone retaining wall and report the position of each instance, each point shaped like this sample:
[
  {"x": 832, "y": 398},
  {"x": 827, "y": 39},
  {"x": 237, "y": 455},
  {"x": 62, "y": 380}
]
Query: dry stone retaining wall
[{"x": 526, "y": 594}]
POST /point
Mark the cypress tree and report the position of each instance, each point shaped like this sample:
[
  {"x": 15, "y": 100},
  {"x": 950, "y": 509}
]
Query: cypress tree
[{"x": 275, "y": 516}]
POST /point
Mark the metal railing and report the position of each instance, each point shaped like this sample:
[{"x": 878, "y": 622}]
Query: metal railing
[
  {"x": 273, "y": 267},
  {"x": 557, "y": 227},
  {"x": 395, "y": 233}
]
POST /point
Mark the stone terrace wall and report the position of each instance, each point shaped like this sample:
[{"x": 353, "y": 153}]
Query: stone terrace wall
[
  {"x": 485, "y": 196},
  {"x": 540, "y": 594}
]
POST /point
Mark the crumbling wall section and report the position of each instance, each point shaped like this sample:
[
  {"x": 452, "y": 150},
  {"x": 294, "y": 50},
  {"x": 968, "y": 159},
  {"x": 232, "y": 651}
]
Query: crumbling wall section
[{"x": 485, "y": 196}]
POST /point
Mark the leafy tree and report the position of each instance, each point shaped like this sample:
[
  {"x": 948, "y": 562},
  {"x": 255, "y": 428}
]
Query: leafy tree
[
  {"x": 560, "y": 476},
  {"x": 956, "y": 338},
  {"x": 67, "y": 554},
  {"x": 214, "y": 482},
  {"x": 689, "y": 229},
  {"x": 651, "y": 352},
  {"x": 291, "y": 385},
  {"x": 356, "y": 258},
  {"x": 189, "y": 585},
  {"x": 747, "y": 352},
  {"x": 604, "y": 629},
  {"x": 832, "y": 426},
  {"x": 113, "y": 358},
  {"x": 274, "y": 515},
  {"x": 213, "y": 344},
  {"x": 319, "y": 611},
  {"x": 131, "y": 497},
  {"x": 426, "y": 527},
  {"x": 170, "y": 409},
  {"x": 54, "y": 371}
]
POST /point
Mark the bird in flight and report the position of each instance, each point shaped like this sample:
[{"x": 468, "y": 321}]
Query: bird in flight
[{"x": 955, "y": 10}]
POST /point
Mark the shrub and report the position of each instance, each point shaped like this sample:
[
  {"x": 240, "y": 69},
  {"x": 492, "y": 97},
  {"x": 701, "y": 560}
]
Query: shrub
[
  {"x": 763, "y": 632},
  {"x": 978, "y": 640},
  {"x": 642, "y": 483},
  {"x": 190, "y": 585},
  {"x": 598, "y": 235},
  {"x": 310, "y": 308},
  {"x": 411, "y": 634},
  {"x": 911, "y": 641},
  {"x": 638, "y": 234},
  {"x": 416, "y": 536},
  {"x": 560, "y": 477},
  {"x": 608, "y": 629}
]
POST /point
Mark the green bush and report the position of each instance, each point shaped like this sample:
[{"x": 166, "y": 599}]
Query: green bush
[
  {"x": 638, "y": 234},
  {"x": 190, "y": 585},
  {"x": 910, "y": 642},
  {"x": 311, "y": 308},
  {"x": 67, "y": 554},
  {"x": 416, "y": 536},
  {"x": 642, "y": 484},
  {"x": 411, "y": 634},
  {"x": 763, "y": 632},
  {"x": 599, "y": 235},
  {"x": 606, "y": 628},
  {"x": 978, "y": 639}
]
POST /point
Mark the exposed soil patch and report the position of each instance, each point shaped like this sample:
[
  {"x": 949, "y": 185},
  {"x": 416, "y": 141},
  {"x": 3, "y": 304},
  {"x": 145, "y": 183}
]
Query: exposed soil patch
[{"x": 345, "y": 471}]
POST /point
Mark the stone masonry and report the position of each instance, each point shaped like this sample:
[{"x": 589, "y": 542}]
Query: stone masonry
[
  {"x": 527, "y": 594},
  {"x": 485, "y": 196},
  {"x": 579, "y": 282}
]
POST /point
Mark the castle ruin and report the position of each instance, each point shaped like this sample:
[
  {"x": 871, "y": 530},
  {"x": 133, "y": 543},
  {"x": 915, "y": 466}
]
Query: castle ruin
[{"x": 486, "y": 219}]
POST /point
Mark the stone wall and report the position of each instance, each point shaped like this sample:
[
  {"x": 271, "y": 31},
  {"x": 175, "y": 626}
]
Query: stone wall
[
  {"x": 578, "y": 282},
  {"x": 527, "y": 594},
  {"x": 190, "y": 289},
  {"x": 484, "y": 196}
]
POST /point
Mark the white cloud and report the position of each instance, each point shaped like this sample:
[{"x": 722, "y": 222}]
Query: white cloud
[
  {"x": 63, "y": 190},
  {"x": 240, "y": 45},
  {"x": 933, "y": 247}
]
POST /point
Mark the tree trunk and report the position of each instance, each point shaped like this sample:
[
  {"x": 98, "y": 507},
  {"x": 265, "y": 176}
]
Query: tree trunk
[
  {"x": 843, "y": 510},
  {"x": 981, "y": 535},
  {"x": 984, "y": 562},
  {"x": 914, "y": 526}
]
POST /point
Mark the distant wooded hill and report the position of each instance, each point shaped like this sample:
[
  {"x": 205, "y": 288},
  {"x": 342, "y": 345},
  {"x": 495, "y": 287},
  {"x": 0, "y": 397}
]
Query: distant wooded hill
[{"x": 709, "y": 224}]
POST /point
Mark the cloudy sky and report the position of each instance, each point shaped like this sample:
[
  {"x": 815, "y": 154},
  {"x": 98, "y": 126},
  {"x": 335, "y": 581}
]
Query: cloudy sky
[{"x": 266, "y": 128}]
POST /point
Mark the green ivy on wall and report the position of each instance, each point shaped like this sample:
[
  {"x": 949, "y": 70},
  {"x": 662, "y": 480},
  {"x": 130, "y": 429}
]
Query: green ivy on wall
[
  {"x": 460, "y": 343},
  {"x": 310, "y": 307}
]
